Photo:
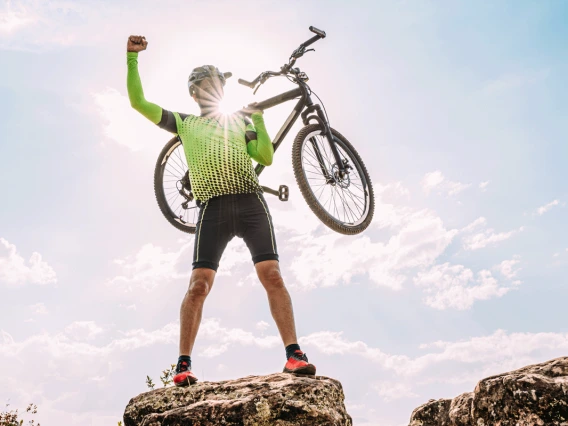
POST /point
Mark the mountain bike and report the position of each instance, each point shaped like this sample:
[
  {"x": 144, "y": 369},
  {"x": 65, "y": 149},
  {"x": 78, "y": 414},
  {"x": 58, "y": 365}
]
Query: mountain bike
[{"x": 328, "y": 170}]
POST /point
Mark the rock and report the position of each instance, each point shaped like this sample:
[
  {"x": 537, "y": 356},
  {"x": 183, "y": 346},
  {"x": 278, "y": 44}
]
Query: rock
[
  {"x": 460, "y": 410},
  {"x": 533, "y": 395},
  {"x": 434, "y": 412},
  {"x": 276, "y": 400}
]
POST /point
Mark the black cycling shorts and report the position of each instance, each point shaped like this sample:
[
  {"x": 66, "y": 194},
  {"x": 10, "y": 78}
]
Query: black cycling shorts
[{"x": 242, "y": 215}]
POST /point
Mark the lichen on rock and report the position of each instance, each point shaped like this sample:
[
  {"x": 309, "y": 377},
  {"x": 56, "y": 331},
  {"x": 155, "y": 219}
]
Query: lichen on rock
[
  {"x": 277, "y": 399},
  {"x": 530, "y": 396}
]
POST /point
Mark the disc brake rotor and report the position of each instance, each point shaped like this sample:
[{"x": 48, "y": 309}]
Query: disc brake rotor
[{"x": 340, "y": 179}]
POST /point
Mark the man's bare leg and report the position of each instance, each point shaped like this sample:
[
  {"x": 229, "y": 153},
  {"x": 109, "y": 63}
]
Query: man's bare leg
[
  {"x": 278, "y": 299},
  {"x": 191, "y": 310}
]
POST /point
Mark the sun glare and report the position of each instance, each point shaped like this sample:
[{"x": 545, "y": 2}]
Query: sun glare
[{"x": 230, "y": 102}]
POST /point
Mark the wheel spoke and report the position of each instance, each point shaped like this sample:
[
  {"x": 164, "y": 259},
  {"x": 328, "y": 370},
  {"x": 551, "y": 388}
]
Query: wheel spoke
[
  {"x": 347, "y": 199},
  {"x": 175, "y": 167}
]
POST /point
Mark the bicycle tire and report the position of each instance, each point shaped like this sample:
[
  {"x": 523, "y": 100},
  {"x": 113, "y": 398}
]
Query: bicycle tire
[
  {"x": 347, "y": 228},
  {"x": 161, "y": 197}
]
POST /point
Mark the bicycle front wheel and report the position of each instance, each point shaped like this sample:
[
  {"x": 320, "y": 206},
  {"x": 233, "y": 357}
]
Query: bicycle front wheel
[
  {"x": 173, "y": 188},
  {"x": 345, "y": 202}
]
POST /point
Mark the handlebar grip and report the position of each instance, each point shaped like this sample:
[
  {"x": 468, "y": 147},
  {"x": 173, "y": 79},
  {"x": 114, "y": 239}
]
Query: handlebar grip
[
  {"x": 318, "y": 32},
  {"x": 311, "y": 41},
  {"x": 246, "y": 83}
]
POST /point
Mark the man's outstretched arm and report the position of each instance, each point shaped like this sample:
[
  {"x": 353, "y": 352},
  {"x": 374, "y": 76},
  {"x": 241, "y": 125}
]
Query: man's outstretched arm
[
  {"x": 259, "y": 146},
  {"x": 135, "y": 93}
]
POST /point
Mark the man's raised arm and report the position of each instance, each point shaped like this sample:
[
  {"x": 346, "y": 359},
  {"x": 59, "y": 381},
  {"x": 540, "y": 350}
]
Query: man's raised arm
[{"x": 135, "y": 93}]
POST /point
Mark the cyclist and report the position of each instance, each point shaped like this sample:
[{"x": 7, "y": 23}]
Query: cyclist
[{"x": 219, "y": 149}]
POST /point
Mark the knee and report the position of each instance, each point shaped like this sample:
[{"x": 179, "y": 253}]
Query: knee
[
  {"x": 198, "y": 288},
  {"x": 272, "y": 280}
]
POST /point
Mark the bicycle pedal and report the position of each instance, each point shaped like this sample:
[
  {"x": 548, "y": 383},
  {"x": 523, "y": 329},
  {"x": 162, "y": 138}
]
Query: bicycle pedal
[{"x": 283, "y": 193}]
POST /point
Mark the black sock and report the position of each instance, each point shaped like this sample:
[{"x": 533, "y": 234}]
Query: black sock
[
  {"x": 185, "y": 358},
  {"x": 290, "y": 349}
]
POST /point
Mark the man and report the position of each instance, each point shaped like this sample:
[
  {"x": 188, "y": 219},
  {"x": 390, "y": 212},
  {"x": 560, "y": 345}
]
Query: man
[{"x": 219, "y": 151}]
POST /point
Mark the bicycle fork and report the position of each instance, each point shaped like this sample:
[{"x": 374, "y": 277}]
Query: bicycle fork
[{"x": 342, "y": 167}]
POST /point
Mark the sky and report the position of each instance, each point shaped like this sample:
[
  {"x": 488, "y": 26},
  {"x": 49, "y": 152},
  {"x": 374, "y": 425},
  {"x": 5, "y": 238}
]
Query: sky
[{"x": 458, "y": 110}]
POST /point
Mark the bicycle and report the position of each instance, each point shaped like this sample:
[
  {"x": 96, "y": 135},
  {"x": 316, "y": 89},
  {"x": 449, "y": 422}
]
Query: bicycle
[{"x": 329, "y": 172}]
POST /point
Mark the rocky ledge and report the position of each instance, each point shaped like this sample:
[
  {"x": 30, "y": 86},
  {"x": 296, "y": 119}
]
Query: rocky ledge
[
  {"x": 531, "y": 396},
  {"x": 276, "y": 400}
]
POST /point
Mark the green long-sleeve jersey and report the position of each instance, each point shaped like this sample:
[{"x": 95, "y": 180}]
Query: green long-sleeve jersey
[{"x": 218, "y": 149}]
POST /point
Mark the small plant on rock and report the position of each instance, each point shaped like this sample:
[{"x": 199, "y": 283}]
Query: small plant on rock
[
  {"x": 167, "y": 378},
  {"x": 11, "y": 417}
]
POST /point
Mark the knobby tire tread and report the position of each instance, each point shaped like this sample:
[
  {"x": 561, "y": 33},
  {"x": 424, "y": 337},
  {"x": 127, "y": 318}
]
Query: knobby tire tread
[
  {"x": 159, "y": 189},
  {"x": 307, "y": 193}
]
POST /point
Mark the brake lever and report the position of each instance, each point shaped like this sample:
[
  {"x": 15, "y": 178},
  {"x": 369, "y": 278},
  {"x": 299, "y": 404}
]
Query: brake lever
[
  {"x": 298, "y": 53},
  {"x": 262, "y": 81}
]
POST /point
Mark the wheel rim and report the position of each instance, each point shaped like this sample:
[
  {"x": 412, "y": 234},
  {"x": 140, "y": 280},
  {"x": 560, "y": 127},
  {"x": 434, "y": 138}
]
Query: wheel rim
[
  {"x": 346, "y": 199},
  {"x": 174, "y": 167}
]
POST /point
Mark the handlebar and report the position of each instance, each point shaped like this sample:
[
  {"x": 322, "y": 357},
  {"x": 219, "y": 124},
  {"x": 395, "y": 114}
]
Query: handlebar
[
  {"x": 247, "y": 83},
  {"x": 286, "y": 68},
  {"x": 318, "y": 32}
]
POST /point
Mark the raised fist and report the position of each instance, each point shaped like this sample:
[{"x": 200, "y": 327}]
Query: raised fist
[{"x": 136, "y": 43}]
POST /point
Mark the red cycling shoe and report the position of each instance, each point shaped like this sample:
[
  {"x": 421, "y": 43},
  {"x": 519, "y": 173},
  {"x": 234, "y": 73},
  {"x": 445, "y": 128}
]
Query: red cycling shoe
[
  {"x": 298, "y": 364},
  {"x": 184, "y": 377}
]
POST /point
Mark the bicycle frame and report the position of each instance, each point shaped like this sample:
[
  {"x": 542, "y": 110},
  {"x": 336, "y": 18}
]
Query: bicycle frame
[{"x": 306, "y": 105}]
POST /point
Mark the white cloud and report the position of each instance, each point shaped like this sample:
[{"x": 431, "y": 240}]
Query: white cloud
[
  {"x": 543, "y": 209},
  {"x": 483, "y": 185},
  {"x": 73, "y": 341},
  {"x": 390, "y": 391},
  {"x": 15, "y": 17},
  {"x": 432, "y": 180},
  {"x": 262, "y": 325},
  {"x": 83, "y": 330},
  {"x": 421, "y": 237},
  {"x": 37, "y": 24},
  {"x": 151, "y": 267},
  {"x": 486, "y": 237},
  {"x": 474, "y": 225},
  {"x": 437, "y": 181},
  {"x": 497, "y": 350},
  {"x": 66, "y": 357},
  {"x": 123, "y": 124},
  {"x": 15, "y": 271},
  {"x": 333, "y": 342},
  {"x": 211, "y": 329},
  {"x": 131, "y": 307},
  {"x": 39, "y": 309},
  {"x": 391, "y": 190},
  {"x": 352, "y": 407},
  {"x": 418, "y": 238},
  {"x": 139, "y": 338},
  {"x": 454, "y": 286},
  {"x": 507, "y": 268}
]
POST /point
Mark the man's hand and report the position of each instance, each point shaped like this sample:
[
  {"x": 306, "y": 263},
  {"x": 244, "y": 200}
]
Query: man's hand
[
  {"x": 250, "y": 111},
  {"x": 136, "y": 43}
]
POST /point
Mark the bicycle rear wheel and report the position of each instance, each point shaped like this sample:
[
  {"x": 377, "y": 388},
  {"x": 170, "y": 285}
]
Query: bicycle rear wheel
[
  {"x": 173, "y": 188},
  {"x": 345, "y": 203}
]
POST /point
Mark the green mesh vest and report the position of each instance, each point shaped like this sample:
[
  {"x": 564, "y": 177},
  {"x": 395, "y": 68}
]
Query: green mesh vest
[{"x": 216, "y": 153}]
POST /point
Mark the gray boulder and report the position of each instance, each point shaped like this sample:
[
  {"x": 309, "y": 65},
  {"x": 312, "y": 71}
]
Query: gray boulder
[
  {"x": 277, "y": 399},
  {"x": 530, "y": 396}
]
